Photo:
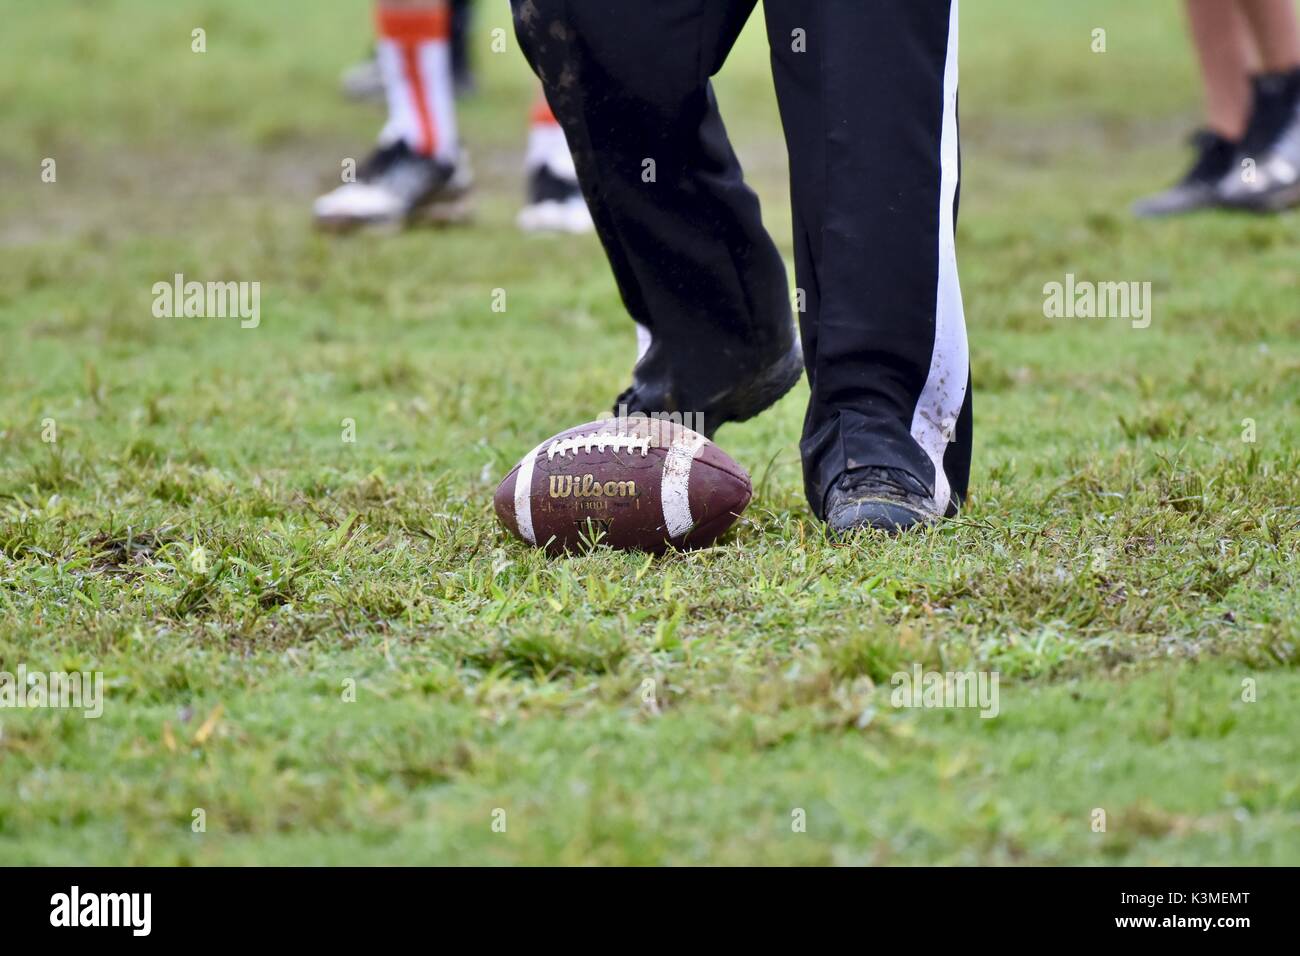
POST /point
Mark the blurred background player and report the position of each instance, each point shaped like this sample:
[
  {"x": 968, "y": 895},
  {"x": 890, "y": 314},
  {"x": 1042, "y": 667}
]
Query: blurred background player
[
  {"x": 1248, "y": 156},
  {"x": 364, "y": 81},
  {"x": 419, "y": 172}
]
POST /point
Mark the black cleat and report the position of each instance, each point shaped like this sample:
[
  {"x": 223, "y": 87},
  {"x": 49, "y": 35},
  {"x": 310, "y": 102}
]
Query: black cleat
[
  {"x": 881, "y": 499},
  {"x": 730, "y": 402},
  {"x": 1199, "y": 189}
]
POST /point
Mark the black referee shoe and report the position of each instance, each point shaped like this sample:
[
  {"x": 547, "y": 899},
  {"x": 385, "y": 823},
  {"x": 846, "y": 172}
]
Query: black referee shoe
[
  {"x": 735, "y": 401},
  {"x": 880, "y": 499},
  {"x": 1199, "y": 189}
]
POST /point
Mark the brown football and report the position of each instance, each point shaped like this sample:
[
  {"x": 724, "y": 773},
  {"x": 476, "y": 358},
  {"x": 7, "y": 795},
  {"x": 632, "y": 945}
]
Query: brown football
[{"x": 635, "y": 483}]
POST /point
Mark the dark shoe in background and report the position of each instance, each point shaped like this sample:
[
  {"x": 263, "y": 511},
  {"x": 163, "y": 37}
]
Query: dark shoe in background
[
  {"x": 555, "y": 204},
  {"x": 1265, "y": 176},
  {"x": 1199, "y": 189}
]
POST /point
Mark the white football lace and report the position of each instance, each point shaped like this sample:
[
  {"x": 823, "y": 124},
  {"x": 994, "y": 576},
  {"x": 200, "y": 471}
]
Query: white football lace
[{"x": 598, "y": 440}]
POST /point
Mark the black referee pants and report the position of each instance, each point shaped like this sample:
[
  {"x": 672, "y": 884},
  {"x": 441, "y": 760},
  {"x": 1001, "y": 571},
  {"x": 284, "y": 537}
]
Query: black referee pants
[{"x": 868, "y": 97}]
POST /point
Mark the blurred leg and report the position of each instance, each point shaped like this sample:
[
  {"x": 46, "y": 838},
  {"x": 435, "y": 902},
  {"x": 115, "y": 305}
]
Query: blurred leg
[
  {"x": 415, "y": 60},
  {"x": 546, "y": 143},
  {"x": 1226, "y": 52},
  {"x": 1277, "y": 36},
  {"x": 417, "y": 172},
  {"x": 462, "y": 63},
  {"x": 555, "y": 202},
  {"x": 1270, "y": 150},
  {"x": 1223, "y": 43}
]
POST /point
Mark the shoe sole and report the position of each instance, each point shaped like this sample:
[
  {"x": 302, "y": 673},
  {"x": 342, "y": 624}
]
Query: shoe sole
[
  {"x": 452, "y": 211},
  {"x": 553, "y": 219},
  {"x": 875, "y": 515},
  {"x": 1277, "y": 201},
  {"x": 1190, "y": 210},
  {"x": 1282, "y": 200}
]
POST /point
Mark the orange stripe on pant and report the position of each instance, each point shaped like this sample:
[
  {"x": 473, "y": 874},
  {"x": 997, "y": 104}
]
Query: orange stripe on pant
[{"x": 410, "y": 28}]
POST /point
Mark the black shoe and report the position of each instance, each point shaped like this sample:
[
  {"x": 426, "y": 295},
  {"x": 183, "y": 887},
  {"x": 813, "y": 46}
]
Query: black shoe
[
  {"x": 1266, "y": 170},
  {"x": 728, "y": 402},
  {"x": 883, "y": 499},
  {"x": 394, "y": 187},
  {"x": 1199, "y": 189},
  {"x": 555, "y": 204}
]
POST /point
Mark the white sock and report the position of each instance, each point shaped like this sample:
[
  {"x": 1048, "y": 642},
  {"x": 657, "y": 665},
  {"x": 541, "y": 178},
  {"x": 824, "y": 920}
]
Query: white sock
[
  {"x": 547, "y": 145},
  {"x": 415, "y": 61}
]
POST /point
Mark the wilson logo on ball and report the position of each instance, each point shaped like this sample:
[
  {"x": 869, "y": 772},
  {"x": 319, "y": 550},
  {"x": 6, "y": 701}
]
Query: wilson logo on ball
[{"x": 589, "y": 486}]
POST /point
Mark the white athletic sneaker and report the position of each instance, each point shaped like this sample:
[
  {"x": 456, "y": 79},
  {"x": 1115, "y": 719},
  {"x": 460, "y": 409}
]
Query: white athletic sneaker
[
  {"x": 555, "y": 205},
  {"x": 395, "y": 188}
]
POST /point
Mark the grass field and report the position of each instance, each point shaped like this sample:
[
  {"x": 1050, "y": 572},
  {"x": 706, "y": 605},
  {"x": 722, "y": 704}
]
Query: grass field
[{"x": 200, "y": 532}]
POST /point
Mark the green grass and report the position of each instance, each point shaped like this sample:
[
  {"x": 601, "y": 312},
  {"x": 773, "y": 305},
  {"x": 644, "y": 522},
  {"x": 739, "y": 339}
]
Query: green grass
[{"x": 1125, "y": 563}]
